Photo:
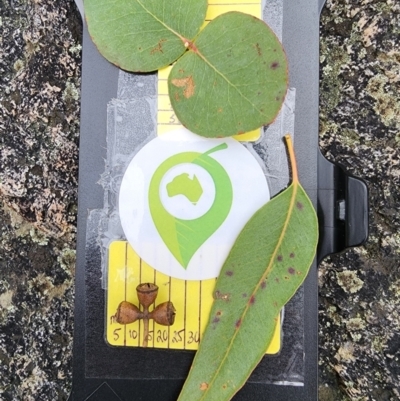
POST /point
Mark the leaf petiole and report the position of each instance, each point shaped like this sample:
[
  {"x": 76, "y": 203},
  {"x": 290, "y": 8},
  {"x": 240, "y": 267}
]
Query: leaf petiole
[{"x": 292, "y": 158}]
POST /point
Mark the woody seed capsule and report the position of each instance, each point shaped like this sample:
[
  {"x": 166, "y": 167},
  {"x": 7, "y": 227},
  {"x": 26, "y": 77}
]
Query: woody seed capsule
[
  {"x": 127, "y": 313},
  {"x": 147, "y": 294},
  {"x": 164, "y": 314}
]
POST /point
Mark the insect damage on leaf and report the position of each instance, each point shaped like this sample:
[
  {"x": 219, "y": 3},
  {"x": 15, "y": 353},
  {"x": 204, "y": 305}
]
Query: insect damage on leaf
[
  {"x": 159, "y": 47},
  {"x": 203, "y": 386},
  {"x": 187, "y": 84},
  {"x": 278, "y": 258},
  {"x": 225, "y": 297}
]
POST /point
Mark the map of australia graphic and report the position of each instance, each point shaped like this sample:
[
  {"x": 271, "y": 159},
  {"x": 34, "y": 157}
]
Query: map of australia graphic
[{"x": 184, "y": 185}]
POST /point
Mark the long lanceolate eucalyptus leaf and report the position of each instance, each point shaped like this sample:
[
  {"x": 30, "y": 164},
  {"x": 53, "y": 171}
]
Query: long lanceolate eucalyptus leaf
[{"x": 268, "y": 262}]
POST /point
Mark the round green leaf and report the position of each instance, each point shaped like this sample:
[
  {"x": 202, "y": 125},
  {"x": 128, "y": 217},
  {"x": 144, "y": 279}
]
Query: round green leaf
[
  {"x": 232, "y": 80},
  {"x": 143, "y": 35}
]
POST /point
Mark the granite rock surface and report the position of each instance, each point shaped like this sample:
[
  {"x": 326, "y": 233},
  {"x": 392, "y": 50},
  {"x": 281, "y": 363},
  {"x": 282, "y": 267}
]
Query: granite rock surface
[
  {"x": 40, "y": 56},
  {"x": 359, "y": 330}
]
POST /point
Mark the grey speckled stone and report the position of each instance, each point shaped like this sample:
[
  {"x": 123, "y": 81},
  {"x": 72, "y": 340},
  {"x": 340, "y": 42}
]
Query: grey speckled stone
[
  {"x": 359, "y": 331},
  {"x": 39, "y": 127},
  {"x": 39, "y": 124}
]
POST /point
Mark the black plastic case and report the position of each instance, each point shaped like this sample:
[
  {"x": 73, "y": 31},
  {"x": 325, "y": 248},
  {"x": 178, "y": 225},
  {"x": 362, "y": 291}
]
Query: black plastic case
[{"x": 105, "y": 373}]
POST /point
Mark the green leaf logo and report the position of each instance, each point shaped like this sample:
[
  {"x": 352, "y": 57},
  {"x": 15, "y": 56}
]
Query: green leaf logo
[{"x": 183, "y": 237}]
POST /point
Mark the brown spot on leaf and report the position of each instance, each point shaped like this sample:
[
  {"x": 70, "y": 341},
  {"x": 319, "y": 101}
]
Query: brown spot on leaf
[
  {"x": 216, "y": 320},
  {"x": 263, "y": 284},
  {"x": 286, "y": 278},
  {"x": 244, "y": 295},
  {"x": 158, "y": 48},
  {"x": 258, "y": 49},
  {"x": 238, "y": 323},
  {"x": 219, "y": 295},
  {"x": 277, "y": 280},
  {"x": 229, "y": 273},
  {"x": 187, "y": 83},
  {"x": 291, "y": 255},
  {"x": 252, "y": 300},
  {"x": 274, "y": 65},
  {"x": 279, "y": 258},
  {"x": 203, "y": 386},
  {"x": 291, "y": 270},
  {"x": 219, "y": 313},
  {"x": 299, "y": 206},
  {"x": 177, "y": 98}
]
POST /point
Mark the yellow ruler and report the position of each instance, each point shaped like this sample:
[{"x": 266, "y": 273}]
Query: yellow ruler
[{"x": 192, "y": 301}]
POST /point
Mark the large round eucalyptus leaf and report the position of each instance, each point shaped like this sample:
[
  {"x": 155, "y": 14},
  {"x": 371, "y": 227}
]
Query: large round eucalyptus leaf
[
  {"x": 233, "y": 79},
  {"x": 143, "y": 35}
]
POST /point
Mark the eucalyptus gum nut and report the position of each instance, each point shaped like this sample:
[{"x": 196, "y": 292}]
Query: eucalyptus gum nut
[
  {"x": 127, "y": 313},
  {"x": 164, "y": 314},
  {"x": 147, "y": 294}
]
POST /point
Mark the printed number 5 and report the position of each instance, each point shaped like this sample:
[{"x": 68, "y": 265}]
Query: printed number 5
[{"x": 116, "y": 334}]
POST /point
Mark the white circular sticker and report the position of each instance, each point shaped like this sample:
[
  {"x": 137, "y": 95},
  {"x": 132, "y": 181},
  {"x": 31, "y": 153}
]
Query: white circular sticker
[{"x": 184, "y": 199}]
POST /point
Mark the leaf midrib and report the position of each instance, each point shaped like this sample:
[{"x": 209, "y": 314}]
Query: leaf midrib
[{"x": 184, "y": 40}]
